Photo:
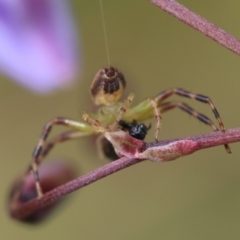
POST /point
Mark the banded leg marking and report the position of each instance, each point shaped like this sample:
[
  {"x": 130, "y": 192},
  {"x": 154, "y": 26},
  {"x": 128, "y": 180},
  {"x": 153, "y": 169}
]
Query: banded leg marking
[
  {"x": 42, "y": 142},
  {"x": 186, "y": 108},
  {"x": 183, "y": 93}
]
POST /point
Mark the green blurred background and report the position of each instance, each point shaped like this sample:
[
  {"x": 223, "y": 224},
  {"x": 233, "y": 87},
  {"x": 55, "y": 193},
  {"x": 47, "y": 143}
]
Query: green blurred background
[{"x": 196, "y": 197}]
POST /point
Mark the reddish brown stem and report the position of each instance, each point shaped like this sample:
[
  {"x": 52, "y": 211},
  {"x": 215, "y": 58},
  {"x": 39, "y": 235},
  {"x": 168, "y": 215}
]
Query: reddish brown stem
[
  {"x": 21, "y": 211},
  {"x": 199, "y": 23}
]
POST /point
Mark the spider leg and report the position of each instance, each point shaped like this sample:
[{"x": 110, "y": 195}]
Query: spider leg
[
  {"x": 59, "y": 139},
  {"x": 48, "y": 147},
  {"x": 126, "y": 104},
  {"x": 42, "y": 147},
  {"x": 157, "y": 116},
  {"x": 183, "y": 93},
  {"x": 186, "y": 108}
]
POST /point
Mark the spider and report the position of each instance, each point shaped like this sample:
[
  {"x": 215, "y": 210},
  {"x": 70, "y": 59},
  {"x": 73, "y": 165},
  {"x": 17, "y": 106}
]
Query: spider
[{"x": 106, "y": 90}]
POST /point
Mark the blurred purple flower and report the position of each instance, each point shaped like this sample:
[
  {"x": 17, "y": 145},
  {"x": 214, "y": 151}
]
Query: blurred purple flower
[{"x": 38, "y": 43}]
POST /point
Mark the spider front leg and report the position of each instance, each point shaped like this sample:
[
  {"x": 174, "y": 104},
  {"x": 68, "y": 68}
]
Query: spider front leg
[
  {"x": 42, "y": 147},
  {"x": 166, "y": 106},
  {"x": 126, "y": 104},
  {"x": 198, "y": 97},
  {"x": 201, "y": 98},
  {"x": 158, "y": 117}
]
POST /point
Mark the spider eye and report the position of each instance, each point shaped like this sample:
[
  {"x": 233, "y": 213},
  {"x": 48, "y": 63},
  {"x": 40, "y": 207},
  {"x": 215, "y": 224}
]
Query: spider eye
[{"x": 107, "y": 86}]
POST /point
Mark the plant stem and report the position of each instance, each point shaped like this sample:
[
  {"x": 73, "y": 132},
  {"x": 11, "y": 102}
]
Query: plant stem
[
  {"x": 199, "y": 23},
  {"x": 21, "y": 211}
]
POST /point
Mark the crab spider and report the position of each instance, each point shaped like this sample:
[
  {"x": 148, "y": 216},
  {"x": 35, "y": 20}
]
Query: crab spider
[{"x": 112, "y": 115}]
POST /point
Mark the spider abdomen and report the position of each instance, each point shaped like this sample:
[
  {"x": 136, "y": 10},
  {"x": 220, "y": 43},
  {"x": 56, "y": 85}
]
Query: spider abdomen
[{"x": 107, "y": 86}]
